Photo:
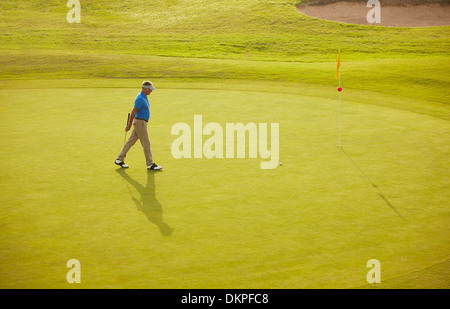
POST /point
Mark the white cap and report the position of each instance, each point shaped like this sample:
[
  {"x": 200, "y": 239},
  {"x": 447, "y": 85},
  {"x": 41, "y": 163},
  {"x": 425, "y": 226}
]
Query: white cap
[{"x": 148, "y": 86}]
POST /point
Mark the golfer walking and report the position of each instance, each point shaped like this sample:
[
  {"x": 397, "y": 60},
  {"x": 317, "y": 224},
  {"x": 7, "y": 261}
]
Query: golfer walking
[{"x": 139, "y": 118}]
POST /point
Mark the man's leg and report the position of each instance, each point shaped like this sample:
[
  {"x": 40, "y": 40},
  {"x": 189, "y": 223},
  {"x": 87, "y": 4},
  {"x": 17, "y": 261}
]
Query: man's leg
[
  {"x": 130, "y": 142},
  {"x": 141, "y": 131}
]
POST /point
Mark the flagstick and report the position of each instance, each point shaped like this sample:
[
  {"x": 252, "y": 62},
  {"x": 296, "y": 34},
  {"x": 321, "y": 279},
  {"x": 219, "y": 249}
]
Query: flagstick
[{"x": 340, "y": 146}]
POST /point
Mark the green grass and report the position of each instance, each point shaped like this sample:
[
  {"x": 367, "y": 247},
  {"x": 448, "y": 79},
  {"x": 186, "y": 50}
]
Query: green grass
[
  {"x": 249, "y": 30},
  {"x": 314, "y": 222}
]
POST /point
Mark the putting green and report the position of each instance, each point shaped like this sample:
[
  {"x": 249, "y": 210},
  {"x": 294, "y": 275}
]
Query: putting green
[{"x": 312, "y": 223}]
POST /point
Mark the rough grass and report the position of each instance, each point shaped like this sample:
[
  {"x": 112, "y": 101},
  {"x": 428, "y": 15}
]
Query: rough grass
[{"x": 251, "y": 30}]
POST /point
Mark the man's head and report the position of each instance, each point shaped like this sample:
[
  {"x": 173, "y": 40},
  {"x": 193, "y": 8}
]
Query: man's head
[{"x": 147, "y": 87}]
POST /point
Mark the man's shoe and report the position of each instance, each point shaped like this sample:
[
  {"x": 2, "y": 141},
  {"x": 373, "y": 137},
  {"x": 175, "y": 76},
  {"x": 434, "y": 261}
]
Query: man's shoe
[
  {"x": 154, "y": 167},
  {"x": 121, "y": 163}
]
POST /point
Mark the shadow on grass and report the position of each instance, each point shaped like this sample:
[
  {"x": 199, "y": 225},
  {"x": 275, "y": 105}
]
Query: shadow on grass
[
  {"x": 148, "y": 203},
  {"x": 380, "y": 194}
]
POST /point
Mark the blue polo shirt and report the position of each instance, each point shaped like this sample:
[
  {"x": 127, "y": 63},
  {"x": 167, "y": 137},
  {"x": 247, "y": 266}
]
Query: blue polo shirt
[{"x": 141, "y": 103}]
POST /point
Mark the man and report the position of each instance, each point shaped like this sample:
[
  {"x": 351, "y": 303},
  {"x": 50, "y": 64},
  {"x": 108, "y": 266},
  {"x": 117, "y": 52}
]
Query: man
[{"x": 139, "y": 118}]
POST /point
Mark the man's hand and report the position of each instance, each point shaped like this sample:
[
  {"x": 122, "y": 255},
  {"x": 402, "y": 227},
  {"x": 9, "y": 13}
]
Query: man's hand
[{"x": 130, "y": 123}]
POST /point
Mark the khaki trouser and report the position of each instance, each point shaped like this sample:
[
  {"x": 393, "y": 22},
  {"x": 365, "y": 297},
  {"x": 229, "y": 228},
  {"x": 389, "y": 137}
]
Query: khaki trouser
[{"x": 139, "y": 133}]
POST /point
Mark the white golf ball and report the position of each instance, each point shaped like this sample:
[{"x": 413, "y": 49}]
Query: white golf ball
[{"x": 281, "y": 163}]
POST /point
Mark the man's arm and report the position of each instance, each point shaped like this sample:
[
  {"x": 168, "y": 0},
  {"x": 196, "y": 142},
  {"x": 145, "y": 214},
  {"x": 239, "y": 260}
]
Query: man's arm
[{"x": 130, "y": 123}]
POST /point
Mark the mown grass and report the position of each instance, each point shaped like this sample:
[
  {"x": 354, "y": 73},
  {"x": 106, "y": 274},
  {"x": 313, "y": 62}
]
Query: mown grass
[{"x": 311, "y": 223}]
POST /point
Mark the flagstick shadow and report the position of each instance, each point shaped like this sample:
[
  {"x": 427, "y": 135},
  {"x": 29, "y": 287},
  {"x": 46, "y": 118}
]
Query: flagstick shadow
[
  {"x": 380, "y": 194},
  {"x": 148, "y": 204}
]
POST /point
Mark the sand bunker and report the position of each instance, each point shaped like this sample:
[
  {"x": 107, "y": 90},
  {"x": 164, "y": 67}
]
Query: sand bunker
[{"x": 391, "y": 16}]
